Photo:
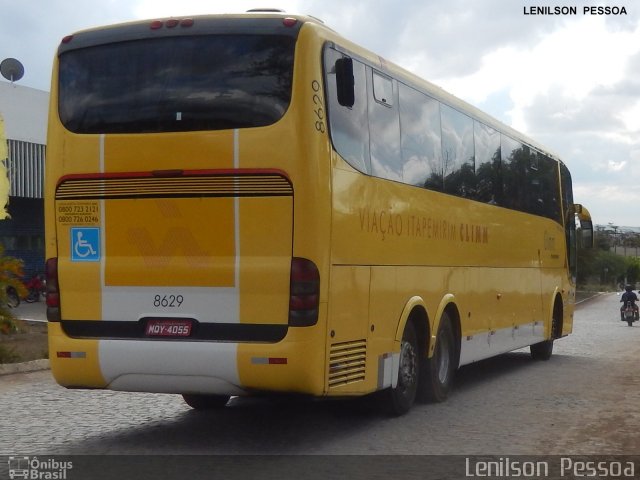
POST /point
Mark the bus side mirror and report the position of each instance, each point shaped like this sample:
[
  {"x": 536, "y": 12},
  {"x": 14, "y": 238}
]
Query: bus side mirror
[
  {"x": 586, "y": 234},
  {"x": 344, "y": 82},
  {"x": 586, "y": 225}
]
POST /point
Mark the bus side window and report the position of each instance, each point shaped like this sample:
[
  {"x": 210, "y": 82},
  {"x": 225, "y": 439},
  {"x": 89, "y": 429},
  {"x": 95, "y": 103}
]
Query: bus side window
[
  {"x": 549, "y": 188},
  {"x": 458, "y": 156},
  {"x": 348, "y": 124},
  {"x": 420, "y": 139},
  {"x": 384, "y": 128},
  {"x": 487, "y": 152},
  {"x": 515, "y": 168}
]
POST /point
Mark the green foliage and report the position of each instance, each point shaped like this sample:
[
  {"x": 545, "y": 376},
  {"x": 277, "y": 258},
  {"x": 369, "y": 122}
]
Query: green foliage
[
  {"x": 606, "y": 268},
  {"x": 8, "y": 355},
  {"x": 10, "y": 276},
  {"x": 633, "y": 270},
  {"x": 601, "y": 241}
]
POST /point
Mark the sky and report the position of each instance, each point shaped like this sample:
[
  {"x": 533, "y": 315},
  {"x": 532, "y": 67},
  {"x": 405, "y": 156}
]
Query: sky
[{"x": 571, "y": 82}]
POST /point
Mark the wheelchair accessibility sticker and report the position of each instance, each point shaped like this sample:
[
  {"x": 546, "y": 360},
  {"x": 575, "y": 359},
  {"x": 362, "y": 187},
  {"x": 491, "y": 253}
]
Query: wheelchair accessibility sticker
[{"x": 85, "y": 244}]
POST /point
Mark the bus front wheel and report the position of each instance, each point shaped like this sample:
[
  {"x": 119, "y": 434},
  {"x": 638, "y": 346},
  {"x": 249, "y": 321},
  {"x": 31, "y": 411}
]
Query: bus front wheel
[
  {"x": 205, "y": 402},
  {"x": 542, "y": 350}
]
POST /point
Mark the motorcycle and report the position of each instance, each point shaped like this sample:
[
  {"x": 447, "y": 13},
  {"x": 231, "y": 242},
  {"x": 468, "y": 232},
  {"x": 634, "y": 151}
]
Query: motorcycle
[
  {"x": 629, "y": 313},
  {"x": 36, "y": 287},
  {"x": 13, "y": 299},
  {"x": 32, "y": 291}
]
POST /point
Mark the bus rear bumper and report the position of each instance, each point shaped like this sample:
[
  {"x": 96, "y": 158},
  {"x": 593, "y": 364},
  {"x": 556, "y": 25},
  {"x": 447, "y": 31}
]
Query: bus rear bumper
[
  {"x": 292, "y": 365},
  {"x": 170, "y": 367}
]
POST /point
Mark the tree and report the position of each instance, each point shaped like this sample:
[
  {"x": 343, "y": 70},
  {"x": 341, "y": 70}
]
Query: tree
[
  {"x": 633, "y": 270},
  {"x": 609, "y": 267},
  {"x": 10, "y": 276}
]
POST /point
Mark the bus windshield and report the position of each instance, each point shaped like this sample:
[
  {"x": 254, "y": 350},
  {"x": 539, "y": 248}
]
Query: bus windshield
[{"x": 175, "y": 84}]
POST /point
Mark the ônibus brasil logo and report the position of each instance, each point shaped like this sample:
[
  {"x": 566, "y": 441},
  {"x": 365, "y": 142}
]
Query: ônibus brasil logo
[{"x": 32, "y": 468}]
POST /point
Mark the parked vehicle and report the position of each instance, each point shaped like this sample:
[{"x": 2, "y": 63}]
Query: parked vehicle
[
  {"x": 36, "y": 287},
  {"x": 13, "y": 299},
  {"x": 31, "y": 291}
]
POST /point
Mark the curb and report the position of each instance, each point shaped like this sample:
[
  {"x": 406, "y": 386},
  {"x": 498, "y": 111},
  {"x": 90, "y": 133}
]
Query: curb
[
  {"x": 24, "y": 367},
  {"x": 595, "y": 295}
]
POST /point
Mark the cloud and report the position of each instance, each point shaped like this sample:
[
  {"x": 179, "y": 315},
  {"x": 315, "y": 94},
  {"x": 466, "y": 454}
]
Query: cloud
[
  {"x": 608, "y": 203},
  {"x": 570, "y": 82},
  {"x": 436, "y": 38},
  {"x": 31, "y": 30},
  {"x": 616, "y": 166}
]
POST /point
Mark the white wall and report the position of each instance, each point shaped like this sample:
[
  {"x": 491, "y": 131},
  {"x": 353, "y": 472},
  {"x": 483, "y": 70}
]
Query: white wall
[{"x": 25, "y": 112}]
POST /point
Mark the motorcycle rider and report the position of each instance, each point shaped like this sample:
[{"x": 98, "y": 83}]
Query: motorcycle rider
[{"x": 629, "y": 296}]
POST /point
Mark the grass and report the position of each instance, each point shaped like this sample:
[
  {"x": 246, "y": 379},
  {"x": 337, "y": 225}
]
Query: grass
[{"x": 27, "y": 342}]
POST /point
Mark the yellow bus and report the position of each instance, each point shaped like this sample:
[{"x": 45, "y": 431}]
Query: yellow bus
[{"x": 248, "y": 204}]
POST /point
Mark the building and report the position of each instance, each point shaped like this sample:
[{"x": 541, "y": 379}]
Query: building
[{"x": 25, "y": 112}]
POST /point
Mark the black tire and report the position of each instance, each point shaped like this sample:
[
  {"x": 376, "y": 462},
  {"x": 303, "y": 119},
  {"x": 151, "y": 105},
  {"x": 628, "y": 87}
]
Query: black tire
[
  {"x": 13, "y": 300},
  {"x": 630, "y": 323},
  {"x": 399, "y": 400},
  {"x": 437, "y": 373},
  {"x": 206, "y": 402},
  {"x": 32, "y": 296},
  {"x": 542, "y": 350}
]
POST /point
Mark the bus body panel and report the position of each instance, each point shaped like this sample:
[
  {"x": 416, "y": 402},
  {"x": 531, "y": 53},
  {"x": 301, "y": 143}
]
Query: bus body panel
[
  {"x": 157, "y": 247},
  {"x": 502, "y": 296},
  {"x": 74, "y": 362}
]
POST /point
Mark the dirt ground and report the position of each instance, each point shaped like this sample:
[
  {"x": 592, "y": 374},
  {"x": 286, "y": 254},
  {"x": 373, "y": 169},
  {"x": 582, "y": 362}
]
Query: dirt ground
[{"x": 29, "y": 343}]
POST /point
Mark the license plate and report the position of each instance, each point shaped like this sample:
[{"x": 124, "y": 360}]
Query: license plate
[{"x": 163, "y": 327}]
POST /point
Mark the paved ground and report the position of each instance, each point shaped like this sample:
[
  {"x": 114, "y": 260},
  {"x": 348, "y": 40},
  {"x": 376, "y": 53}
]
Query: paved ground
[
  {"x": 585, "y": 400},
  {"x": 31, "y": 311}
]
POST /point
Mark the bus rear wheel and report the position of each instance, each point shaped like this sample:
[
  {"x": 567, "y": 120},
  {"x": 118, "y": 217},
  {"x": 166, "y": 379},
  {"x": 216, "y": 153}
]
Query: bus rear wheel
[
  {"x": 205, "y": 402},
  {"x": 438, "y": 371},
  {"x": 399, "y": 399}
]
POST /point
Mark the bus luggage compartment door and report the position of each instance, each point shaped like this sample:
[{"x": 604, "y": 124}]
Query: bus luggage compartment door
[{"x": 211, "y": 248}]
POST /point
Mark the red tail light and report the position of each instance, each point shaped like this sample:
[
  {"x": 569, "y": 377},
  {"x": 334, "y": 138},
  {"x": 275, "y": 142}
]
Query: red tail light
[
  {"x": 53, "y": 290},
  {"x": 171, "y": 23},
  {"x": 304, "y": 296}
]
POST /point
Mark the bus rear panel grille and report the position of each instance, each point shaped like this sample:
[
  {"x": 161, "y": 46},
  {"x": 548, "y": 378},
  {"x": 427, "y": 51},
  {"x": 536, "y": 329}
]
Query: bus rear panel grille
[{"x": 347, "y": 363}]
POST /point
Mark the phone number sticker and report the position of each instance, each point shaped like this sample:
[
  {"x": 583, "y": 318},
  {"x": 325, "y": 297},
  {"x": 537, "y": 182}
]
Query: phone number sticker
[{"x": 78, "y": 213}]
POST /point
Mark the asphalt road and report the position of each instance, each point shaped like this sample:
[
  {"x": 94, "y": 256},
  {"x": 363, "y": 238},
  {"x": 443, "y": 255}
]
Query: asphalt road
[{"x": 584, "y": 401}]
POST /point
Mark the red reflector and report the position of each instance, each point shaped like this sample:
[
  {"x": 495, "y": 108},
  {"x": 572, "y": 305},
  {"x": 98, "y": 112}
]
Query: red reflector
[
  {"x": 155, "y": 25},
  {"x": 277, "y": 361},
  {"x": 172, "y": 23},
  {"x": 289, "y": 22},
  {"x": 186, "y": 22},
  {"x": 71, "y": 354},
  {"x": 67, "y": 39}
]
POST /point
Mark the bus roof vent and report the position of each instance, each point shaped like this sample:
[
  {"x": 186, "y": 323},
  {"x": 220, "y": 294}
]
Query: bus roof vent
[{"x": 268, "y": 10}]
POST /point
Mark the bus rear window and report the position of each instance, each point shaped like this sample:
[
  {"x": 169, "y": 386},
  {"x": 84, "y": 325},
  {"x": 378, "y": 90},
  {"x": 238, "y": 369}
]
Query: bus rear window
[{"x": 175, "y": 84}]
